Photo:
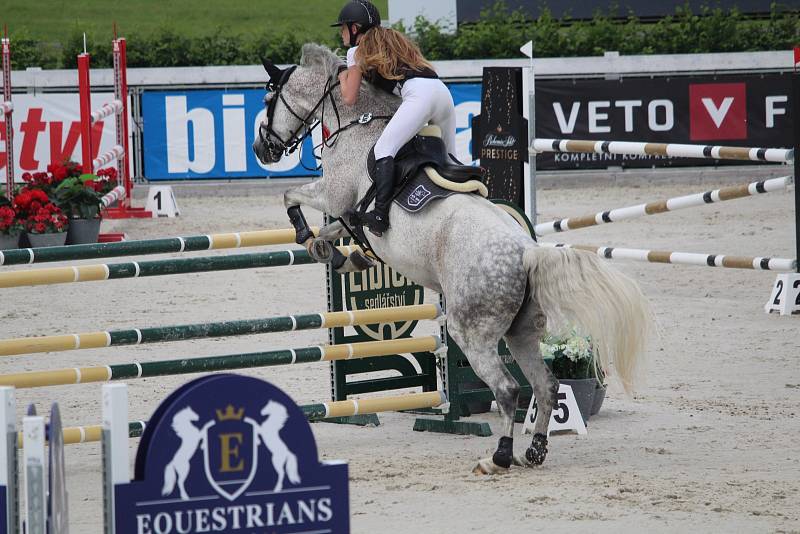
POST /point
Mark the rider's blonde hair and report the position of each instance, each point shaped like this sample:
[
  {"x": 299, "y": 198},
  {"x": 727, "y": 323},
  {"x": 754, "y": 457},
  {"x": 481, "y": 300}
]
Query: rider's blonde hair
[{"x": 386, "y": 50}]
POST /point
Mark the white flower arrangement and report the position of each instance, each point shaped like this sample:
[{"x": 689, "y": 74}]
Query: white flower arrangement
[
  {"x": 571, "y": 356},
  {"x": 572, "y": 346}
]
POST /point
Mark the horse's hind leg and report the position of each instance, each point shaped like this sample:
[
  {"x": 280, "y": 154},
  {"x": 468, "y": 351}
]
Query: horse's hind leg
[
  {"x": 480, "y": 348},
  {"x": 523, "y": 342}
]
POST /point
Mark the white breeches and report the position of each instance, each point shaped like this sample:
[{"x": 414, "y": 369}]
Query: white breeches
[{"x": 425, "y": 101}]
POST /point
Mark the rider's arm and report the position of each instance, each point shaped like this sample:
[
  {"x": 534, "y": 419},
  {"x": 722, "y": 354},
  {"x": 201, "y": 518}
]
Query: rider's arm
[{"x": 350, "y": 79}]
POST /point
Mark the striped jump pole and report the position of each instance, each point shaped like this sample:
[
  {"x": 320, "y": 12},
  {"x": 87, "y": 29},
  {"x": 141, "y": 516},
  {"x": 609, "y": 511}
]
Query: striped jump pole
[
  {"x": 322, "y": 353},
  {"x": 137, "y": 336},
  {"x": 113, "y": 271},
  {"x": 757, "y": 263},
  {"x": 663, "y": 206},
  {"x": 149, "y": 246},
  {"x": 673, "y": 150},
  {"x": 118, "y": 193},
  {"x": 313, "y": 412}
]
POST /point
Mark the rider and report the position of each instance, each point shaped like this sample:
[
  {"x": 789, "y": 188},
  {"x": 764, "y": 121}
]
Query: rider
[{"x": 392, "y": 62}]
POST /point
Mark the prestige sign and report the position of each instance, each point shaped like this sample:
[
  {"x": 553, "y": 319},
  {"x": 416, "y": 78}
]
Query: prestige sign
[
  {"x": 731, "y": 110},
  {"x": 502, "y": 133}
]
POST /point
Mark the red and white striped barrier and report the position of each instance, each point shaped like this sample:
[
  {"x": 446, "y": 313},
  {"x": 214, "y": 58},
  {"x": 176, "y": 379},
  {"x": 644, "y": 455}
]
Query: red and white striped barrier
[
  {"x": 109, "y": 108},
  {"x": 663, "y": 206},
  {"x": 118, "y": 193},
  {"x": 119, "y": 107},
  {"x": 673, "y": 150},
  {"x": 686, "y": 258},
  {"x": 8, "y": 108},
  {"x": 115, "y": 153}
]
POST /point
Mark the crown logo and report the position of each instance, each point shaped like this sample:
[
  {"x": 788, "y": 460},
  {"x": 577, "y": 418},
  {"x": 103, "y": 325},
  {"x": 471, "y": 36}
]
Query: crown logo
[{"x": 230, "y": 414}]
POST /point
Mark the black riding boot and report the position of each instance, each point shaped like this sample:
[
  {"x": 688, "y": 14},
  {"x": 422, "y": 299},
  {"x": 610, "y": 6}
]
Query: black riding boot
[{"x": 377, "y": 220}]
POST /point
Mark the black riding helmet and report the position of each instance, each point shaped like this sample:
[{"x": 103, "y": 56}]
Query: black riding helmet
[{"x": 360, "y": 12}]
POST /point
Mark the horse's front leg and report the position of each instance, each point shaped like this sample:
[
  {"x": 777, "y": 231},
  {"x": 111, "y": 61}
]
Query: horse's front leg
[
  {"x": 321, "y": 248},
  {"x": 309, "y": 195}
]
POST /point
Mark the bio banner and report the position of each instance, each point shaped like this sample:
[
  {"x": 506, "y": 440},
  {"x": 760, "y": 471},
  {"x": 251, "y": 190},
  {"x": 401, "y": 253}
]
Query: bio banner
[
  {"x": 721, "y": 110},
  {"x": 209, "y": 134}
]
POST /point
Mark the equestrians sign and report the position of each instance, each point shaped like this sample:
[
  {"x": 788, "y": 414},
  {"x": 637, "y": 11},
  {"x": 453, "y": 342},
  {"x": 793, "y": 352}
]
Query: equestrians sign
[{"x": 229, "y": 453}]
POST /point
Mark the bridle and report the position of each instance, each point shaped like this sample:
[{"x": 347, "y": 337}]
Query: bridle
[{"x": 275, "y": 144}]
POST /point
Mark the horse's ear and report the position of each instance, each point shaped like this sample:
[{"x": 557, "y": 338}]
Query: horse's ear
[{"x": 273, "y": 72}]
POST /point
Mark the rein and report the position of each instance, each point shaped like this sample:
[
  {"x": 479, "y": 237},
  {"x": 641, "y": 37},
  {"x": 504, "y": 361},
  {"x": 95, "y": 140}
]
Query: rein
[{"x": 295, "y": 141}]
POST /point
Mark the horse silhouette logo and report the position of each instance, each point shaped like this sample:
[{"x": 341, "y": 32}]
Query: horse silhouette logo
[
  {"x": 191, "y": 437},
  {"x": 231, "y": 444},
  {"x": 283, "y": 460}
]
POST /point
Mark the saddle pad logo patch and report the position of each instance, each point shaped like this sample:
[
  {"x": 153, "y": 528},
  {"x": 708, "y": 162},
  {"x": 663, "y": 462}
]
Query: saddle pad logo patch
[{"x": 418, "y": 196}]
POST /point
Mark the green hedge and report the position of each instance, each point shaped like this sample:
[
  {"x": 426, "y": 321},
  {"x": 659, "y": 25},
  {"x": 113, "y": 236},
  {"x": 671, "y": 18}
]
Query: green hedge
[{"x": 498, "y": 34}]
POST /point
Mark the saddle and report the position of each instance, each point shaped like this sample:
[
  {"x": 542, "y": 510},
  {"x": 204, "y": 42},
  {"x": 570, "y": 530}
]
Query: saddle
[{"x": 424, "y": 172}]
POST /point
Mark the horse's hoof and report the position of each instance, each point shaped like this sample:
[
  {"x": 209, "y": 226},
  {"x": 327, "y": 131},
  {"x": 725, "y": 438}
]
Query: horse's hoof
[
  {"x": 537, "y": 452},
  {"x": 487, "y": 467},
  {"x": 320, "y": 250},
  {"x": 360, "y": 261}
]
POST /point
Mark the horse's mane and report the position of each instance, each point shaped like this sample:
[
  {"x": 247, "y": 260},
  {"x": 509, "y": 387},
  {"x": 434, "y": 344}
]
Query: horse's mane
[{"x": 316, "y": 56}]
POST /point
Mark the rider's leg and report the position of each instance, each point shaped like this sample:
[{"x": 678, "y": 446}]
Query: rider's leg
[
  {"x": 411, "y": 116},
  {"x": 444, "y": 114}
]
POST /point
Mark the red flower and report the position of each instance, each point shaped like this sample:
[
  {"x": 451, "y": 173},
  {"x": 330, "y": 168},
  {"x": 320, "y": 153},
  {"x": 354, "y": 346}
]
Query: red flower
[
  {"x": 7, "y": 216},
  {"x": 40, "y": 196},
  {"x": 58, "y": 171}
]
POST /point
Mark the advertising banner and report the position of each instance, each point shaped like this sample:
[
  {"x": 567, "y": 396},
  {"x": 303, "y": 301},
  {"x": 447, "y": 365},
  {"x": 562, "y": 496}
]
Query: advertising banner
[
  {"x": 47, "y": 129},
  {"x": 209, "y": 134},
  {"x": 723, "y": 110}
]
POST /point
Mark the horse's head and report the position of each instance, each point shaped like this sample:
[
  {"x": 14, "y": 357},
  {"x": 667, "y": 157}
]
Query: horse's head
[
  {"x": 182, "y": 421},
  {"x": 293, "y": 101}
]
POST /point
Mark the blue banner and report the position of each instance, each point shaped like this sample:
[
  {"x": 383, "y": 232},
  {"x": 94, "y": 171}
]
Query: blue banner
[{"x": 209, "y": 134}]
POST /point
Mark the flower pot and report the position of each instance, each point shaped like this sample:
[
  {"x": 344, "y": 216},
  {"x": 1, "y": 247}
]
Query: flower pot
[
  {"x": 47, "y": 240},
  {"x": 599, "y": 396},
  {"x": 9, "y": 241},
  {"x": 82, "y": 231},
  {"x": 583, "y": 389}
]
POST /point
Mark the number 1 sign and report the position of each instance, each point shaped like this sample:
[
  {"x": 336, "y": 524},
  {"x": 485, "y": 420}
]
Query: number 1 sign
[
  {"x": 161, "y": 201},
  {"x": 565, "y": 416}
]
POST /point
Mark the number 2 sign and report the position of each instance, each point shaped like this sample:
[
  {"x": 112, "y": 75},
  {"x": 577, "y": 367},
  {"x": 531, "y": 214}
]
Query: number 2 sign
[
  {"x": 565, "y": 416},
  {"x": 785, "y": 297}
]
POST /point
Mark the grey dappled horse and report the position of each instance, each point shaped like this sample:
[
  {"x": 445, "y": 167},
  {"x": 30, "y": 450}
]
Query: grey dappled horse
[{"x": 496, "y": 281}]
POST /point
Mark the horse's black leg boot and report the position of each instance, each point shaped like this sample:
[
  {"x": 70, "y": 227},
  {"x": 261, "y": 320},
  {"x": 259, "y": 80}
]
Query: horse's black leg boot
[
  {"x": 504, "y": 453},
  {"x": 377, "y": 220},
  {"x": 302, "y": 232}
]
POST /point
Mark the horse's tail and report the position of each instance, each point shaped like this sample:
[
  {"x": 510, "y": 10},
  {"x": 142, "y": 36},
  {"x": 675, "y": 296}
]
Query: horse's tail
[
  {"x": 576, "y": 287},
  {"x": 169, "y": 480},
  {"x": 291, "y": 468}
]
